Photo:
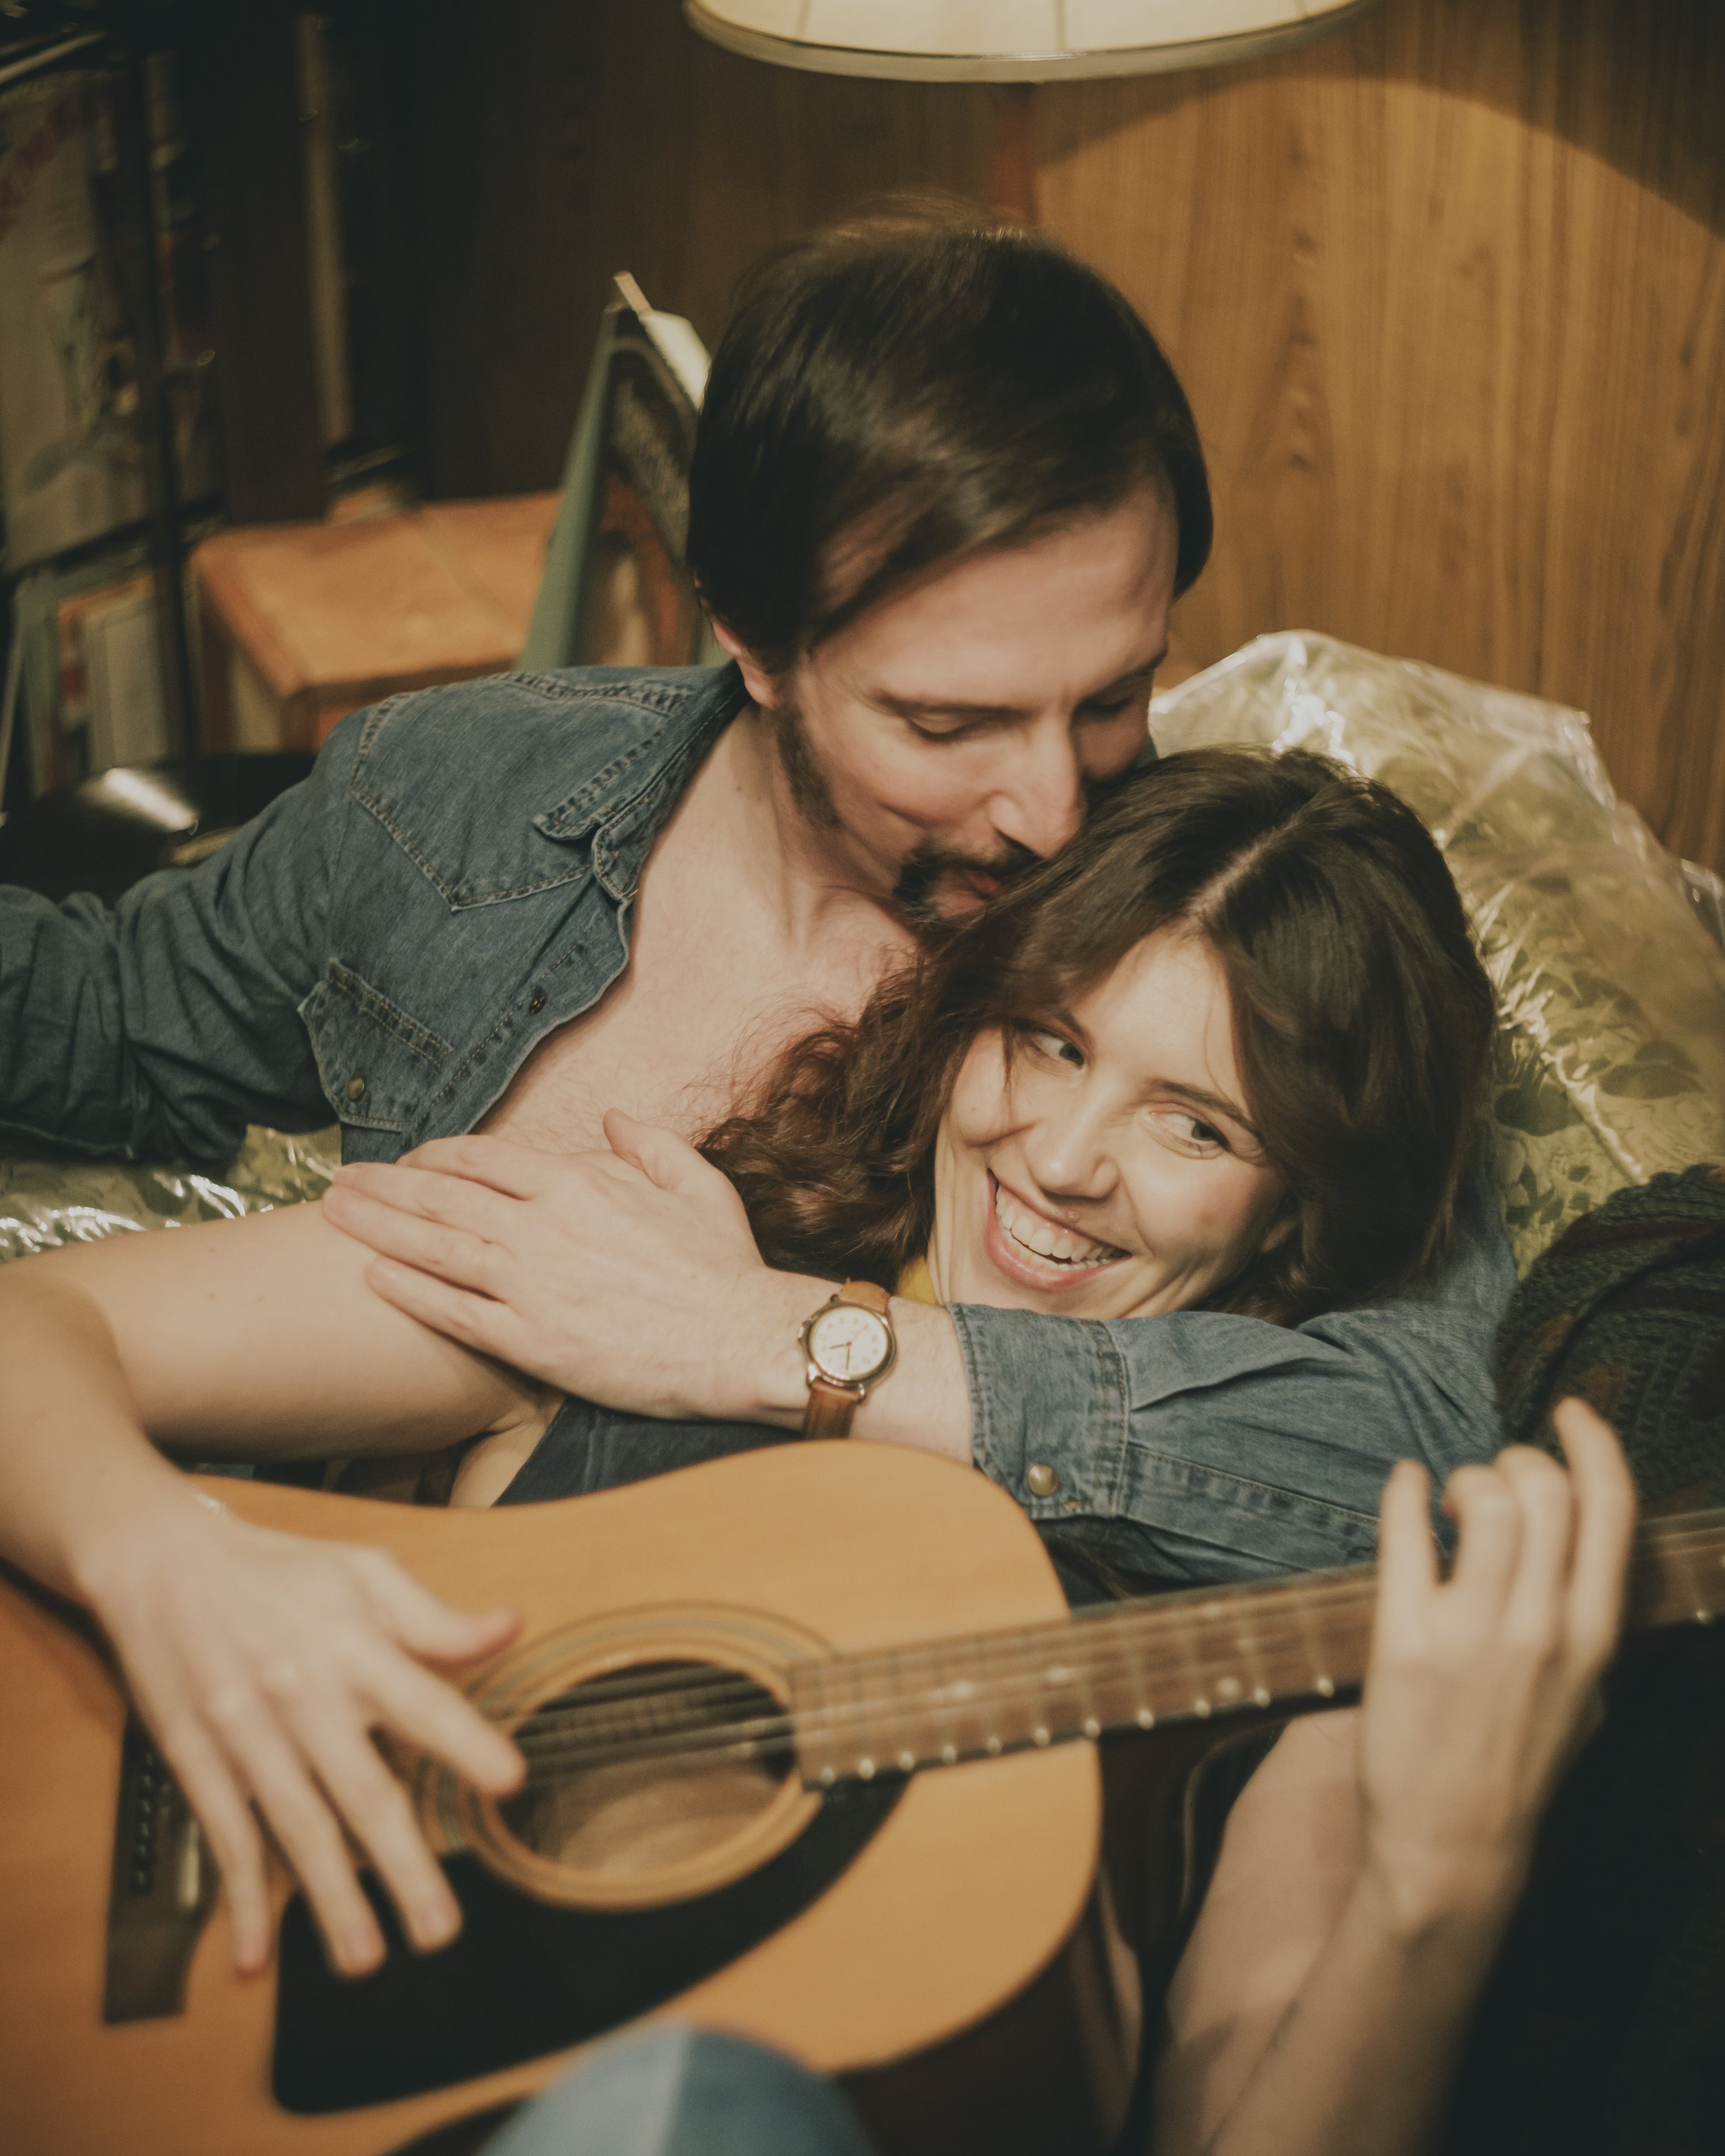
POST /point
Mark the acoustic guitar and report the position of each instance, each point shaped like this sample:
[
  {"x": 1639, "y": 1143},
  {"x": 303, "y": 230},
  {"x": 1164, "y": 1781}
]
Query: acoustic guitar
[{"x": 812, "y": 1752}]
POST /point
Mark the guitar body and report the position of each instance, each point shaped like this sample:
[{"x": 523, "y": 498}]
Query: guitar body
[{"x": 946, "y": 1949}]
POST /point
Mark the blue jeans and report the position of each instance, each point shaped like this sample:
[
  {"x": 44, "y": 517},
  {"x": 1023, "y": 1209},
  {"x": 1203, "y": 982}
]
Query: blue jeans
[{"x": 679, "y": 2091}]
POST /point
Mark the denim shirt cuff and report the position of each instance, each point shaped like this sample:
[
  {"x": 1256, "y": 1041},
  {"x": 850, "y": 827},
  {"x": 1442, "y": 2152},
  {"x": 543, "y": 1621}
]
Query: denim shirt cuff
[{"x": 1048, "y": 1408}]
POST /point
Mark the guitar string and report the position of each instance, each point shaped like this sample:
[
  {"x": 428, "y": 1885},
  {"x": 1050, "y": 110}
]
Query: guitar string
[
  {"x": 766, "y": 1735},
  {"x": 585, "y": 1747},
  {"x": 1143, "y": 1623},
  {"x": 1129, "y": 1625},
  {"x": 1079, "y": 1626},
  {"x": 1311, "y": 1589},
  {"x": 701, "y": 1742},
  {"x": 579, "y": 1749}
]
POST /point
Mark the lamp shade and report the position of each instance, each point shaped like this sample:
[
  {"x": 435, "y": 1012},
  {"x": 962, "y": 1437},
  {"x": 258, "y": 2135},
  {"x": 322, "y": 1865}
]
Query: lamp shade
[{"x": 1010, "y": 40}]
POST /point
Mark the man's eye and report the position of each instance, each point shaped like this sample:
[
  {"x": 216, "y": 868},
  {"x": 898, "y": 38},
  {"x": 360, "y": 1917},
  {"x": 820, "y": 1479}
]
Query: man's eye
[{"x": 962, "y": 731}]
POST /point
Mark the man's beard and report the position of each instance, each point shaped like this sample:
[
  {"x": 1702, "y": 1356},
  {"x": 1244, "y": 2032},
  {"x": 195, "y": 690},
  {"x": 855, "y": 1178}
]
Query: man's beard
[
  {"x": 936, "y": 886},
  {"x": 805, "y": 776}
]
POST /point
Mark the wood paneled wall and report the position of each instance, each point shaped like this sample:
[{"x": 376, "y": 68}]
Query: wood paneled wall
[{"x": 1447, "y": 290}]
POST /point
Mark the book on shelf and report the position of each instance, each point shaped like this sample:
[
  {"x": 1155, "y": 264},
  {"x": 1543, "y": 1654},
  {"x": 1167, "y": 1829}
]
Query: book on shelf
[
  {"x": 110, "y": 708},
  {"x": 70, "y": 463},
  {"x": 69, "y": 450}
]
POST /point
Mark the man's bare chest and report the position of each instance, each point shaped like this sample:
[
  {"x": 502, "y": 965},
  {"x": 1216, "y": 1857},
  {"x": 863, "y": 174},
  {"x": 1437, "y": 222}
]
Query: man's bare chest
[
  {"x": 677, "y": 1049},
  {"x": 718, "y": 981},
  {"x": 713, "y": 992}
]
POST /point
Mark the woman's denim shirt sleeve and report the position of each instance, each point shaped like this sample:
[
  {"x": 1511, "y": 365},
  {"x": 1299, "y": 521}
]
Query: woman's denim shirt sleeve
[{"x": 1200, "y": 1446}]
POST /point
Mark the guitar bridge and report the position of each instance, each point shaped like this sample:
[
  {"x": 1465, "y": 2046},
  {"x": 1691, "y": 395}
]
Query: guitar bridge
[{"x": 163, "y": 1884}]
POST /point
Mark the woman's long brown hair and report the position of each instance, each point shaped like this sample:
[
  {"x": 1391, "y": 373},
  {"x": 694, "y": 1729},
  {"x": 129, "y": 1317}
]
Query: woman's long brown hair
[{"x": 1362, "y": 1019}]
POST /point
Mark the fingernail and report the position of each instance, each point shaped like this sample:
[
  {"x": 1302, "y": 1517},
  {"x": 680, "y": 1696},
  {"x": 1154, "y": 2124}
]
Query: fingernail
[{"x": 436, "y": 1923}]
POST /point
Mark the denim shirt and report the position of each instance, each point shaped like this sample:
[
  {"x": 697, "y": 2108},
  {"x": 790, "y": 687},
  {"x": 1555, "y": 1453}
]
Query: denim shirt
[{"x": 391, "y": 939}]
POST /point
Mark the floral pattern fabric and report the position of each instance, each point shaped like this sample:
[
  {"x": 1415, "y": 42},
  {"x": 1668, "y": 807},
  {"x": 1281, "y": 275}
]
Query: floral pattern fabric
[{"x": 1611, "y": 1047}]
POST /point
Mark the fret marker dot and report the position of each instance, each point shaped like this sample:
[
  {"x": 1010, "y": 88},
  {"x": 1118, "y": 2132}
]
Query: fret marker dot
[
  {"x": 827, "y": 1777},
  {"x": 866, "y": 1768},
  {"x": 994, "y": 1747},
  {"x": 1200, "y": 1708},
  {"x": 1039, "y": 1735},
  {"x": 1260, "y": 1697},
  {"x": 1227, "y": 1688},
  {"x": 907, "y": 1761},
  {"x": 1092, "y": 1727},
  {"x": 949, "y": 1754},
  {"x": 1327, "y": 1687},
  {"x": 1147, "y": 1720}
]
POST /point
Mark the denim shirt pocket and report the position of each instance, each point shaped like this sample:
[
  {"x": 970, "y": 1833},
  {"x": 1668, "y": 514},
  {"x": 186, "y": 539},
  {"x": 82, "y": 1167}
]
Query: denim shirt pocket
[{"x": 375, "y": 1061}]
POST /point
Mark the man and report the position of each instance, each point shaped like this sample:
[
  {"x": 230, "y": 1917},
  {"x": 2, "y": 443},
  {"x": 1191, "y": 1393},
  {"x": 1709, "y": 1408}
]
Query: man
[{"x": 945, "y": 491}]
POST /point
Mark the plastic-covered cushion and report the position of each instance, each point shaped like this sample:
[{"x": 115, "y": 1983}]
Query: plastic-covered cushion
[
  {"x": 46, "y": 1201},
  {"x": 1611, "y": 1054}
]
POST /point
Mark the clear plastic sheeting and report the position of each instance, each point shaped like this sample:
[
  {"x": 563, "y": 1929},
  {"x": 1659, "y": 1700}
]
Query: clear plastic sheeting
[
  {"x": 46, "y": 1201},
  {"x": 1611, "y": 1062}
]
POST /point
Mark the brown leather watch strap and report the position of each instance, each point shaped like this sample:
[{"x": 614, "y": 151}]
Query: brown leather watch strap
[
  {"x": 869, "y": 1293},
  {"x": 831, "y": 1409}
]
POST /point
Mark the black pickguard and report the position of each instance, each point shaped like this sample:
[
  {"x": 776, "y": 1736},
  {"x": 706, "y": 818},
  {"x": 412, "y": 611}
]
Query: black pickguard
[{"x": 523, "y": 1979}]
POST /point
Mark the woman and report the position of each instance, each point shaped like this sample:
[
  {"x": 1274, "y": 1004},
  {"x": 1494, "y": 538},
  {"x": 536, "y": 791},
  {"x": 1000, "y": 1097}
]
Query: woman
[{"x": 1225, "y": 1051}]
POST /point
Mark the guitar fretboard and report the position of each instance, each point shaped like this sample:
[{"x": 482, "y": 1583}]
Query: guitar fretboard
[{"x": 1132, "y": 1666}]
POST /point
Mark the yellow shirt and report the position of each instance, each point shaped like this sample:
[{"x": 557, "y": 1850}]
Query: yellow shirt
[{"x": 915, "y": 1284}]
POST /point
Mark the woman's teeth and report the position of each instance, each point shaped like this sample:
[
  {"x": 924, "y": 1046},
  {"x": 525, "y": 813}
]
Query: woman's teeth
[{"x": 1042, "y": 1239}]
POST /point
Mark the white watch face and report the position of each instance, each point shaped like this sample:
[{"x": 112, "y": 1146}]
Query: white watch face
[{"x": 848, "y": 1344}]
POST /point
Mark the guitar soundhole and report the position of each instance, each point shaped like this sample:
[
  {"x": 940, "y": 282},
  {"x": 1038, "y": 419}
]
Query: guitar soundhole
[{"x": 630, "y": 1772}]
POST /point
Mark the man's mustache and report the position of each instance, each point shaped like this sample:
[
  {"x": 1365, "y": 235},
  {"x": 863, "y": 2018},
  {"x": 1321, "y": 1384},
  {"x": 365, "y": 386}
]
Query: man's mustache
[{"x": 930, "y": 870}]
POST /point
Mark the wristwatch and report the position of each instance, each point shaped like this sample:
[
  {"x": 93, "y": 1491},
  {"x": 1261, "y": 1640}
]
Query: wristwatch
[{"x": 848, "y": 1347}]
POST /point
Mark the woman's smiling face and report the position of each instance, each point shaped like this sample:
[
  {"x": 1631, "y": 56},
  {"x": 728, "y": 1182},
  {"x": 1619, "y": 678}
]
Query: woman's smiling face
[{"x": 1110, "y": 1169}]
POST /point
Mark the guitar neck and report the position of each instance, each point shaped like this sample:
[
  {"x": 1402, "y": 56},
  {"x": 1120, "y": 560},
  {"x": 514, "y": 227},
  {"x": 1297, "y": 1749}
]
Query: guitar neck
[{"x": 1285, "y": 1644}]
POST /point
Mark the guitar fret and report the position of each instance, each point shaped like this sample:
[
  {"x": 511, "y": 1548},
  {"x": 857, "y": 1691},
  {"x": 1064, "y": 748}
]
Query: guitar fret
[
  {"x": 1321, "y": 1682},
  {"x": 1245, "y": 1640},
  {"x": 1190, "y": 1637}
]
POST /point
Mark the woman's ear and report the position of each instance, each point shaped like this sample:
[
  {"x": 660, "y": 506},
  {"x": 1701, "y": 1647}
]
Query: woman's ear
[
  {"x": 1282, "y": 1228},
  {"x": 762, "y": 685}
]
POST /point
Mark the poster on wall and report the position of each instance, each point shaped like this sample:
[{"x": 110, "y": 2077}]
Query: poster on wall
[{"x": 69, "y": 453}]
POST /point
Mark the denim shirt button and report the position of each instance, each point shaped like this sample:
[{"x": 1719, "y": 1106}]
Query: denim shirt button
[
  {"x": 1041, "y": 1479},
  {"x": 355, "y": 1086},
  {"x": 536, "y": 1001}
]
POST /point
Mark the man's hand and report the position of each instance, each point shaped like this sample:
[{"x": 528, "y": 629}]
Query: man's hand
[{"x": 629, "y": 1277}]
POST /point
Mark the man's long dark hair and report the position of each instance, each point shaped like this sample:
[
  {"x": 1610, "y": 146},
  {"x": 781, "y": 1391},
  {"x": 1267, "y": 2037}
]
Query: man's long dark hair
[
  {"x": 1362, "y": 1024},
  {"x": 911, "y": 390}
]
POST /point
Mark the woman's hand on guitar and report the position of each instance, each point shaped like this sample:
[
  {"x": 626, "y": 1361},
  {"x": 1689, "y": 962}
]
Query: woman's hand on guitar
[
  {"x": 1480, "y": 1688},
  {"x": 262, "y": 1662}
]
